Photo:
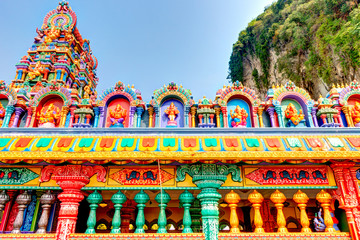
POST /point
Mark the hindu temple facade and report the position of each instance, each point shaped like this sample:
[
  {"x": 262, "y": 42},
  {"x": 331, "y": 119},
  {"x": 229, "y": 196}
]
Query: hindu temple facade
[{"x": 76, "y": 164}]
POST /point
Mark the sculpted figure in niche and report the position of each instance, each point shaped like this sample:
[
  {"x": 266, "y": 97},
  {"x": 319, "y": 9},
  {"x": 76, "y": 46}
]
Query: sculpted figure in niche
[
  {"x": 238, "y": 117},
  {"x": 117, "y": 116},
  {"x": 36, "y": 71},
  {"x": 49, "y": 117},
  {"x": 294, "y": 117},
  {"x": 355, "y": 114},
  {"x": 172, "y": 112}
]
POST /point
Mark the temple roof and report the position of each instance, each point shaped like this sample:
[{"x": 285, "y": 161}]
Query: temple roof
[{"x": 178, "y": 146}]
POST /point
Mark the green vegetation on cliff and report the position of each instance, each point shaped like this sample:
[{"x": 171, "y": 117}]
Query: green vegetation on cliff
[{"x": 312, "y": 39}]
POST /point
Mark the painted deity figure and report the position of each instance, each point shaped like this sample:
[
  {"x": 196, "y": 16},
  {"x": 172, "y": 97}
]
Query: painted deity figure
[
  {"x": 117, "y": 116},
  {"x": 238, "y": 117},
  {"x": 36, "y": 71},
  {"x": 52, "y": 34},
  {"x": 2, "y": 114},
  {"x": 48, "y": 118},
  {"x": 172, "y": 112},
  {"x": 294, "y": 117},
  {"x": 355, "y": 114}
]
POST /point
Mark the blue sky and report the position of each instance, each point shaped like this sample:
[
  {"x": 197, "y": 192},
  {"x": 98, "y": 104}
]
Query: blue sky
[{"x": 147, "y": 43}]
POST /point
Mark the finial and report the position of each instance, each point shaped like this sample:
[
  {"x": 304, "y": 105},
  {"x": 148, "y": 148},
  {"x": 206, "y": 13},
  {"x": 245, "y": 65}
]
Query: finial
[
  {"x": 333, "y": 85},
  {"x": 342, "y": 85},
  {"x": 337, "y": 85},
  {"x": 132, "y": 86}
]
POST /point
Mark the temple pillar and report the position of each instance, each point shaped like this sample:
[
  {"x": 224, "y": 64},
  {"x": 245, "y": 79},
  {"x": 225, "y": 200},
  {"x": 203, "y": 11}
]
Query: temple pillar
[
  {"x": 102, "y": 119},
  {"x": 225, "y": 118},
  {"x": 186, "y": 115},
  {"x": 209, "y": 178},
  {"x": 22, "y": 200},
  {"x": 118, "y": 199},
  {"x": 9, "y": 111},
  {"x": 30, "y": 212},
  {"x": 141, "y": 199},
  {"x": 309, "y": 117},
  {"x": 259, "y": 113},
  {"x": 93, "y": 199},
  {"x": 255, "y": 117},
  {"x": 346, "y": 111},
  {"x": 7, "y": 209},
  {"x": 4, "y": 199},
  {"x": 162, "y": 198},
  {"x": 301, "y": 199},
  {"x": 271, "y": 112},
  {"x": 139, "y": 112},
  {"x": 217, "y": 113},
  {"x": 314, "y": 118},
  {"x": 46, "y": 200},
  {"x": 339, "y": 116},
  {"x": 29, "y": 116},
  {"x": 71, "y": 178},
  {"x": 131, "y": 117},
  {"x": 256, "y": 199},
  {"x": 348, "y": 195},
  {"x": 72, "y": 115},
  {"x": 18, "y": 112},
  {"x": 233, "y": 199},
  {"x": 278, "y": 198},
  {"x": 186, "y": 198},
  {"x": 96, "y": 118},
  {"x": 193, "y": 115},
  {"x": 157, "y": 116},
  {"x": 151, "y": 116},
  {"x": 279, "y": 112},
  {"x": 63, "y": 115}
]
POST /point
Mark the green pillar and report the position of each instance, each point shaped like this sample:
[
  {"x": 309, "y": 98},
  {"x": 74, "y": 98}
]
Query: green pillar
[
  {"x": 93, "y": 199},
  {"x": 195, "y": 212},
  {"x": 186, "y": 198},
  {"x": 36, "y": 212},
  {"x": 209, "y": 178},
  {"x": 141, "y": 199},
  {"x": 163, "y": 198},
  {"x": 118, "y": 199}
]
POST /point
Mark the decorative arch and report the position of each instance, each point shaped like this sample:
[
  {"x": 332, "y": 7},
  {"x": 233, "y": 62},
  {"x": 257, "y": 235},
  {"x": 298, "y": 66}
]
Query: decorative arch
[
  {"x": 128, "y": 98},
  {"x": 9, "y": 93},
  {"x": 243, "y": 97},
  {"x": 297, "y": 95},
  {"x": 348, "y": 92},
  {"x": 62, "y": 92},
  {"x": 172, "y": 90}
]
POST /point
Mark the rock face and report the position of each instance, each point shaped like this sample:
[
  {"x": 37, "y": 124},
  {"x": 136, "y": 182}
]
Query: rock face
[{"x": 314, "y": 43}]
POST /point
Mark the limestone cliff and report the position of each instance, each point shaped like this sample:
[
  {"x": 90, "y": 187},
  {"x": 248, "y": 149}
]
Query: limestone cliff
[{"x": 313, "y": 43}]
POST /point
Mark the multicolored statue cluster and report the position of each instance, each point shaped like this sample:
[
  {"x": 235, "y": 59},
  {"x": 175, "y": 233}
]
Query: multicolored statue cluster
[
  {"x": 238, "y": 117},
  {"x": 172, "y": 112},
  {"x": 48, "y": 117},
  {"x": 117, "y": 116},
  {"x": 294, "y": 117}
]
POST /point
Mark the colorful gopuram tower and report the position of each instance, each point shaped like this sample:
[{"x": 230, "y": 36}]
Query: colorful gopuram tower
[{"x": 76, "y": 165}]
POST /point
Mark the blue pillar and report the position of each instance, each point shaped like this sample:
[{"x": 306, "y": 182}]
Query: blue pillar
[
  {"x": 139, "y": 112},
  {"x": 96, "y": 119},
  {"x": 9, "y": 111}
]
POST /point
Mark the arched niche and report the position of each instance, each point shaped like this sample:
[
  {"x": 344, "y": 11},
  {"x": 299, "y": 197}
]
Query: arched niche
[
  {"x": 299, "y": 105},
  {"x": 164, "y": 117},
  {"x": 52, "y": 99},
  {"x": 243, "y": 103},
  {"x": 111, "y": 105},
  {"x": 354, "y": 103}
]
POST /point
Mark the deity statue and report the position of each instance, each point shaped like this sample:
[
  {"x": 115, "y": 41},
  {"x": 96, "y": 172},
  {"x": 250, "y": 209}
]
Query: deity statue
[
  {"x": 52, "y": 34},
  {"x": 87, "y": 92},
  {"x": 2, "y": 114},
  {"x": 117, "y": 116},
  {"x": 294, "y": 117},
  {"x": 47, "y": 118},
  {"x": 36, "y": 71},
  {"x": 238, "y": 117},
  {"x": 172, "y": 111},
  {"x": 355, "y": 114}
]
